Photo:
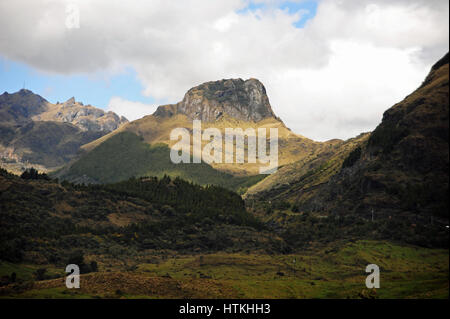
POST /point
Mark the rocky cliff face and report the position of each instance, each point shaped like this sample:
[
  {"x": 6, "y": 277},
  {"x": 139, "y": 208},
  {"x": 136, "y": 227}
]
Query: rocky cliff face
[{"x": 243, "y": 100}]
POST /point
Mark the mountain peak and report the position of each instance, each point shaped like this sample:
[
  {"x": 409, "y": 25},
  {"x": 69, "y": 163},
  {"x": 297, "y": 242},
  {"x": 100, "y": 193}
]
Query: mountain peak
[
  {"x": 19, "y": 106},
  {"x": 244, "y": 100},
  {"x": 25, "y": 92},
  {"x": 70, "y": 101}
]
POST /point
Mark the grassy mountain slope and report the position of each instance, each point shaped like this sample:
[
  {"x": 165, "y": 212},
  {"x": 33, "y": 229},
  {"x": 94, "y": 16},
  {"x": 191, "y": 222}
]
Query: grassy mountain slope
[
  {"x": 154, "y": 129},
  {"x": 301, "y": 179},
  {"x": 403, "y": 169},
  {"x": 399, "y": 172},
  {"x": 408, "y": 153},
  {"x": 18, "y": 108},
  {"x": 50, "y": 144},
  {"x": 231, "y": 103},
  {"x": 125, "y": 155},
  {"x": 145, "y": 160},
  {"x": 228, "y": 106}
]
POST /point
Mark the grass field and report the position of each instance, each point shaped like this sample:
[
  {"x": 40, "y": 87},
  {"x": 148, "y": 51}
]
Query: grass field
[{"x": 336, "y": 271}]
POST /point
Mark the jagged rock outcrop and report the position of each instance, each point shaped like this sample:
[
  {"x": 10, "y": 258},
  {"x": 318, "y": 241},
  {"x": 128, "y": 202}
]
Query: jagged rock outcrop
[
  {"x": 86, "y": 117},
  {"x": 24, "y": 106},
  {"x": 243, "y": 100}
]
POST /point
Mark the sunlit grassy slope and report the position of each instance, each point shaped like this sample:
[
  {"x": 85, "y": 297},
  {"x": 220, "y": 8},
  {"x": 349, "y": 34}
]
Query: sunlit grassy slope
[
  {"x": 125, "y": 155},
  {"x": 154, "y": 130}
]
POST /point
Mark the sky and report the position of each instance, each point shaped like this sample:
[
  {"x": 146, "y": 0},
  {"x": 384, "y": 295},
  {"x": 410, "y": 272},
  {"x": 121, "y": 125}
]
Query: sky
[{"x": 330, "y": 67}]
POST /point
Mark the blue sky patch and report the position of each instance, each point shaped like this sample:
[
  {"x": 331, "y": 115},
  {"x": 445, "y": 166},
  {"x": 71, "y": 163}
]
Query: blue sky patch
[
  {"x": 96, "y": 89},
  {"x": 307, "y": 7}
]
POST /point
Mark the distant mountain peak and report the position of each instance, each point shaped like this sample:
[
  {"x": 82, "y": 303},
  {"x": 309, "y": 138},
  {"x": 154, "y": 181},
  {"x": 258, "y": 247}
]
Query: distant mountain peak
[
  {"x": 17, "y": 108},
  {"x": 25, "y": 92},
  {"x": 24, "y": 106},
  {"x": 244, "y": 100}
]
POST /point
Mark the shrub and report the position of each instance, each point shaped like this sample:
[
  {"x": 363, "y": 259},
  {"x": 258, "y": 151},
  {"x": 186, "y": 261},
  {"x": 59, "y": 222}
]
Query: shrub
[
  {"x": 40, "y": 274},
  {"x": 32, "y": 173},
  {"x": 94, "y": 266}
]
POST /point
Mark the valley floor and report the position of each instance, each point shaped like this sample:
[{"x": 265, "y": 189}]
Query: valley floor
[{"x": 335, "y": 271}]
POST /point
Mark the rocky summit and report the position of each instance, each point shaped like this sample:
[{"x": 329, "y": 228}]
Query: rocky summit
[
  {"x": 243, "y": 100},
  {"x": 86, "y": 117}
]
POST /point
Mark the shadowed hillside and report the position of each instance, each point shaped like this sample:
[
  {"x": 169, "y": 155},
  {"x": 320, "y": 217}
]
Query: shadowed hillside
[
  {"x": 398, "y": 172},
  {"x": 50, "y": 144}
]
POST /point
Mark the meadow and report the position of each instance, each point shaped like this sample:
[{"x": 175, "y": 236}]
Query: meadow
[{"x": 335, "y": 270}]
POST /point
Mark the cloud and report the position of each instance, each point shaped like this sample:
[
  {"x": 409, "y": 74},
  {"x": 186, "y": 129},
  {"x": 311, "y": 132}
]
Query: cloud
[
  {"x": 338, "y": 101},
  {"x": 332, "y": 78},
  {"x": 130, "y": 109}
]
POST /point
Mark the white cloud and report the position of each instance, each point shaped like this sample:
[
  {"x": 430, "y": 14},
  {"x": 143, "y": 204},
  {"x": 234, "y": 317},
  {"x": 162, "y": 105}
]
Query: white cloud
[
  {"x": 378, "y": 78},
  {"x": 334, "y": 78},
  {"x": 130, "y": 109}
]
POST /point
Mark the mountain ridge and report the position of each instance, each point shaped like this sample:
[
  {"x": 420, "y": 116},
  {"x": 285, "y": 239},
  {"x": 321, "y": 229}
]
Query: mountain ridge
[
  {"x": 24, "y": 106},
  {"x": 35, "y": 132},
  {"x": 86, "y": 117},
  {"x": 400, "y": 169}
]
